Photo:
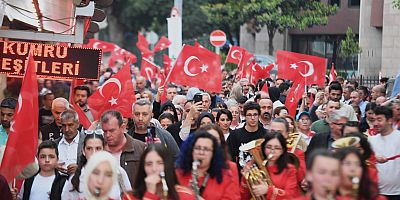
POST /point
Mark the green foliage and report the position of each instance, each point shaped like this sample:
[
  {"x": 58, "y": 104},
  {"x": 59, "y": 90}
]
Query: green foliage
[
  {"x": 349, "y": 46},
  {"x": 150, "y": 15},
  {"x": 277, "y": 15},
  {"x": 396, "y": 4}
]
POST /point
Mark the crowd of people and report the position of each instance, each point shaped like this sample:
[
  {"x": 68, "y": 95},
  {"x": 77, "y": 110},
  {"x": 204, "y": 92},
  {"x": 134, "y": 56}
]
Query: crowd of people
[{"x": 240, "y": 143}]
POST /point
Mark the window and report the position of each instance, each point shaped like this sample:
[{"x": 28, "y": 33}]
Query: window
[
  {"x": 354, "y": 3},
  {"x": 334, "y": 2}
]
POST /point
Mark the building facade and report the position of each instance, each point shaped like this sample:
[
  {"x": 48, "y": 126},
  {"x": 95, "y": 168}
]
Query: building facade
[{"x": 323, "y": 41}]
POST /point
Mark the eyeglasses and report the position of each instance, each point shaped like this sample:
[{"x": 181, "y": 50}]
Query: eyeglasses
[
  {"x": 275, "y": 148},
  {"x": 252, "y": 115},
  {"x": 96, "y": 131},
  {"x": 202, "y": 149}
]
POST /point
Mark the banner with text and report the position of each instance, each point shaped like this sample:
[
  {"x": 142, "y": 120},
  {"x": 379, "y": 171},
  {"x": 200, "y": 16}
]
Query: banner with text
[{"x": 51, "y": 61}]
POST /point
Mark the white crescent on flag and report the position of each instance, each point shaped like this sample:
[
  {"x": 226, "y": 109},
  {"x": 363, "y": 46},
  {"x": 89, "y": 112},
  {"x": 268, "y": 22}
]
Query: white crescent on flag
[
  {"x": 187, "y": 62},
  {"x": 111, "y": 80}
]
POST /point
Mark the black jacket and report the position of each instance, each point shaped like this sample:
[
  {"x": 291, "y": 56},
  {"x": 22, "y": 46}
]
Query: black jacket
[
  {"x": 56, "y": 187},
  {"x": 319, "y": 141}
]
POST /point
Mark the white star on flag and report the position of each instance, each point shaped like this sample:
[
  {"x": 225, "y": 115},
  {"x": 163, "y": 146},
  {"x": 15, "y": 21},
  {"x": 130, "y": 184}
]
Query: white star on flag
[
  {"x": 204, "y": 68},
  {"x": 113, "y": 101},
  {"x": 293, "y": 66}
]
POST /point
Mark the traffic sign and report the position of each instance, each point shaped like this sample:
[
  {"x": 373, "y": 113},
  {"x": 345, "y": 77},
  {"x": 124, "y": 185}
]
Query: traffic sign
[{"x": 218, "y": 38}]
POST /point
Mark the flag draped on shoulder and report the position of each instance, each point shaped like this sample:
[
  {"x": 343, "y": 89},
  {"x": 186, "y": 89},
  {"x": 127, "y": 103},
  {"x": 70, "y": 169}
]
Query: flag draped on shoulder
[
  {"x": 117, "y": 93},
  {"x": 301, "y": 67},
  {"x": 22, "y": 141},
  {"x": 197, "y": 67}
]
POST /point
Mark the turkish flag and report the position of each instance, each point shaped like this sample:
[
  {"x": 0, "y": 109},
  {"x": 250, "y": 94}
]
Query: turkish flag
[
  {"x": 149, "y": 70},
  {"x": 117, "y": 93},
  {"x": 294, "y": 95},
  {"x": 167, "y": 64},
  {"x": 301, "y": 67},
  {"x": 332, "y": 74},
  {"x": 121, "y": 54},
  {"x": 162, "y": 44},
  {"x": 164, "y": 82},
  {"x": 243, "y": 66},
  {"x": 197, "y": 67},
  {"x": 143, "y": 46},
  {"x": 259, "y": 72},
  {"x": 82, "y": 117},
  {"x": 23, "y": 137},
  {"x": 98, "y": 44},
  {"x": 234, "y": 55}
]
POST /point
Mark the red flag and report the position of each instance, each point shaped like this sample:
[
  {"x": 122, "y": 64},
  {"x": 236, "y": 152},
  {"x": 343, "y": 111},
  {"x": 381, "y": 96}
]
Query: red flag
[
  {"x": 121, "y": 54},
  {"x": 243, "y": 67},
  {"x": 163, "y": 82},
  {"x": 294, "y": 95},
  {"x": 82, "y": 116},
  {"x": 265, "y": 87},
  {"x": 142, "y": 44},
  {"x": 259, "y": 72},
  {"x": 162, "y": 44},
  {"x": 23, "y": 137},
  {"x": 98, "y": 44},
  {"x": 117, "y": 93},
  {"x": 197, "y": 44},
  {"x": 332, "y": 74},
  {"x": 301, "y": 67},
  {"x": 198, "y": 67},
  {"x": 148, "y": 69},
  {"x": 167, "y": 64},
  {"x": 234, "y": 55}
]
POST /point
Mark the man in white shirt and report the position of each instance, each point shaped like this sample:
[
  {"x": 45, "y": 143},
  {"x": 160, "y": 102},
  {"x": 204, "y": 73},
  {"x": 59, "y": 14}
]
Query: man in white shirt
[
  {"x": 386, "y": 144},
  {"x": 70, "y": 144}
]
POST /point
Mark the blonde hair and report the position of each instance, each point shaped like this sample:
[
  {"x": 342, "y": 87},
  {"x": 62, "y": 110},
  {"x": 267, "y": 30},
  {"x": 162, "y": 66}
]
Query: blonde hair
[{"x": 94, "y": 161}]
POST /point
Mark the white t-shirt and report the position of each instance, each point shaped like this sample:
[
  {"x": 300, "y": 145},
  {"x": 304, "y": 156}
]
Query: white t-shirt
[
  {"x": 389, "y": 172},
  {"x": 41, "y": 188}
]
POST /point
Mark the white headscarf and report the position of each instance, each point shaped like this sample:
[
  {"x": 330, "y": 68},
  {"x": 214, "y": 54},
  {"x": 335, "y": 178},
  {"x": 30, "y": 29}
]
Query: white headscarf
[{"x": 91, "y": 165}]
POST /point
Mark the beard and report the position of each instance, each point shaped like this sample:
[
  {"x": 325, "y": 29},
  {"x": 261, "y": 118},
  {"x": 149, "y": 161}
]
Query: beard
[
  {"x": 6, "y": 124},
  {"x": 266, "y": 116}
]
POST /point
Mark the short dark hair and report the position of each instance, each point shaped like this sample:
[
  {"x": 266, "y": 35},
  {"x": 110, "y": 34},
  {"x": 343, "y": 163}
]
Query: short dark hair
[
  {"x": 364, "y": 89},
  {"x": 106, "y": 116},
  {"x": 9, "y": 102},
  {"x": 251, "y": 105},
  {"x": 242, "y": 99},
  {"x": 335, "y": 86},
  {"x": 167, "y": 115},
  {"x": 82, "y": 87},
  {"x": 226, "y": 112},
  {"x": 47, "y": 144},
  {"x": 350, "y": 88},
  {"x": 383, "y": 110},
  {"x": 353, "y": 82},
  {"x": 370, "y": 106}
]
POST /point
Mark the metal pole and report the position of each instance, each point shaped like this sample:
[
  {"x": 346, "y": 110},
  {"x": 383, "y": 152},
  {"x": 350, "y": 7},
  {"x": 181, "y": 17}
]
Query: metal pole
[{"x": 178, "y": 4}]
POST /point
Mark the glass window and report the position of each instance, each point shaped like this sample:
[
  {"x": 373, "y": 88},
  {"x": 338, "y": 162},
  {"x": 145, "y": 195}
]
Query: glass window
[
  {"x": 354, "y": 3},
  {"x": 334, "y": 2}
]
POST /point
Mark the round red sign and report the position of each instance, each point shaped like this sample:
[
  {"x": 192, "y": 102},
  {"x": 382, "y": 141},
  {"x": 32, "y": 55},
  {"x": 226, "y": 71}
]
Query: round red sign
[{"x": 218, "y": 38}]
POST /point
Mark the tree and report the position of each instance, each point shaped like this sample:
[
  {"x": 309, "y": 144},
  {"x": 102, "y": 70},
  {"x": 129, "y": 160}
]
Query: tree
[
  {"x": 396, "y": 4},
  {"x": 276, "y": 15},
  {"x": 349, "y": 47},
  {"x": 225, "y": 15},
  {"x": 127, "y": 17}
]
